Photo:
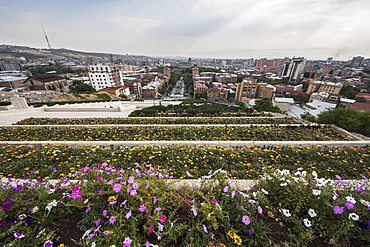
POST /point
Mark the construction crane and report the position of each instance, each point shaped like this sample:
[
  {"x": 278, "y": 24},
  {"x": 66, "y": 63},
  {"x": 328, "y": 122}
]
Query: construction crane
[{"x": 46, "y": 37}]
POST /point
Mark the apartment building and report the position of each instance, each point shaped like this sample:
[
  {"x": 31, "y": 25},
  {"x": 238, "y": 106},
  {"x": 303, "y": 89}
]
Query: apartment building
[
  {"x": 324, "y": 86},
  {"x": 102, "y": 76},
  {"x": 200, "y": 88},
  {"x": 268, "y": 65},
  {"x": 217, "y": 94},
  {"x": 293, "y": 69},
  {"x": 252, "y": 89}
]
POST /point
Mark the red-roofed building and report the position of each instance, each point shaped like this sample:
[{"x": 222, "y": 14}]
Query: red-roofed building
[
  {"x": 118, "y": 91},
  {"x": 217, "y": 94},
  {"x": 363, "y": 95},
  {"x": 135, "y": 87},
  {"x": 359, "y": 106}
]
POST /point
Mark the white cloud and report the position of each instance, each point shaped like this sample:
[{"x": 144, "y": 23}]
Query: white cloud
[{"x": 135, "y": 24}]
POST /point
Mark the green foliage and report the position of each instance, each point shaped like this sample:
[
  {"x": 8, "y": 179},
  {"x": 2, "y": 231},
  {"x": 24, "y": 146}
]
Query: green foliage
[
  {"x": 301, "y": 98},
  {"x": 361, "y": 99},
  {"x": 193, "y": 108},
  {"x": 5, "y": 103},
  {"x": 309, "y": 203},
  {"x": 81, "y": 87},
  {"x": 307, "y": 116},
  {"x": 349, "y": 119},
  {"x": 42, "y": 69},
  {"x": 104, "y": 96},
  {"x": 349, "y": 91},
  {"x": 265, "y": 105}
]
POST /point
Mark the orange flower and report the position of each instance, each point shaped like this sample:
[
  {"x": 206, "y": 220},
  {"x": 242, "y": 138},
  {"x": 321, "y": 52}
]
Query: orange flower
[{"x": 271, "y": 214}]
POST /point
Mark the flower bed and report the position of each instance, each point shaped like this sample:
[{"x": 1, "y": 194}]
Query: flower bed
[
  {"x": 111, "y": 206},
  {"x": 241, "y": 163},
  {"x": 153, "y": 121},
  {"x": 211, "y": 133}
]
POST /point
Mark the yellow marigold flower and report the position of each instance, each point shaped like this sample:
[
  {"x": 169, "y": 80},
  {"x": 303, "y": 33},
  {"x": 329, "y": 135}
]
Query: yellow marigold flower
[
  {"x": 112, "y": 199},
  {"x": 231, "y": 234},
  {"x": 270, "y": 214},
  {"x": 237, "y": 240},
  {"x": 222, "y": 245}
]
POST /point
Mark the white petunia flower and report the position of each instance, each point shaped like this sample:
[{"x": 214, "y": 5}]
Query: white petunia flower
[
  {"x": 351, "y": 199},
  {"x": 354, "y": 216},
  {"x": 307, "y": 222},
  {"x": 316, "y": 192},
  {"x": 312, "y": 213},
  {"x": 285, "y": 212}
]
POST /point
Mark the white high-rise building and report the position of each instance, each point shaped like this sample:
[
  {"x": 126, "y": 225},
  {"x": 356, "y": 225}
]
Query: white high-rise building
[
  {"x": 293, "y": 69},
  {"x": 102, "y": 76}
]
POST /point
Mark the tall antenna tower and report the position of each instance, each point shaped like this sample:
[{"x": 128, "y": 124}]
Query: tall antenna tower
[{"x": 46, "y": 37}]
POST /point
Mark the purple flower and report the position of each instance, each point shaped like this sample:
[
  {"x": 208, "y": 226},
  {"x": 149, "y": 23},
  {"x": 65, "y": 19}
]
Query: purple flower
[
  {"x": 350, "y": 205},
  {"x": 154, "y": 200},
  {"x": 97, "y": 222},
  {"x": 76, "y": 195},
  {"x": 205, "y": 228},
  {"x": 106, "y": 233},
  {"x": 188, "y": 174},
  {"x": 18, "y": 187},
  {"x": 259, "y": 209},
  {"x": 6, "y": 206},
  {"x": 18, "y": 235},
  {"x": 150, "y": 228},
  {"x": 112, "y": 220},
  {"x": 365, "y": 225},
  {"x": 130, "y": 180},
  {"x": 147, "y": 244},
  {"x": 104, "y": 213},
  {"x": 160, "y": 227},
  {"x": 300, "y": 168},
  {"x": 226, "y": 189},
  {"x": 117, "y": 187},
  {"x": 147, "y": 186},
  {"x": 91, "y": 236},
  {"x": 214, "y": 201},
  {"x": 48, "y": 244},
  {"x": 40, "y": 180},
  {"x": 3, "y": 223},
  {"x": 133, "y": 192},
  {"x": 163, "y": 218},
  {"x": 142, "y": 208},
  {"x": 338, "y": 210},
  {"x": 250, "y": 232},
  {"x": 122, "y": 203},
  {"x": 127, "y": 242},
  {"x": 75, "y": 188},
  {"x": 87, "y": 209},
  {"x": 194, "y": 210},
  {"x": 246, "y": 220},
  {"x": 128, "y": 215},
  {"x": 157, "y": 209},
  {"x": 359, "y": 189}
]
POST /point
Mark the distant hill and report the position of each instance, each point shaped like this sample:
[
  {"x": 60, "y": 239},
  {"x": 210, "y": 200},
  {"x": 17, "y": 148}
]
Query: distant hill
[{"x": 11, "y": 51}]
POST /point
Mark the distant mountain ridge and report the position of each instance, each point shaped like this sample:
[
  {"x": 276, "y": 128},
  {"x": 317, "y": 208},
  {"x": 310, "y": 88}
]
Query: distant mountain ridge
[{"x": 14, "y": 52}]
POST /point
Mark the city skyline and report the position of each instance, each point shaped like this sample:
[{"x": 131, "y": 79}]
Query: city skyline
[{"x": 232, "y": 29}]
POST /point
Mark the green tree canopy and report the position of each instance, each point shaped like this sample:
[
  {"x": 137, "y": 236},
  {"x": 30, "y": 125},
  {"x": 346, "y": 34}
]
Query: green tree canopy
[
  {"x": 265, "y": 105},
  {"x": 348, "y": 119},
  {"x": 81, "y": 87}
]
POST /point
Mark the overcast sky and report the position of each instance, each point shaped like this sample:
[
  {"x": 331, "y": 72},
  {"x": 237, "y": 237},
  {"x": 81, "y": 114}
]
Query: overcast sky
[{"x": 315, "y": 29}]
